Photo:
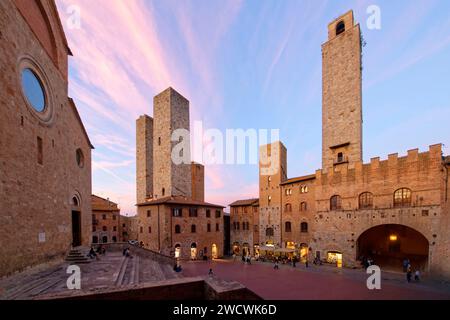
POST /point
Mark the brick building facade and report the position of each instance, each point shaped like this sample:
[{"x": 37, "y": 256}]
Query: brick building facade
[
  {"x": 45, "y": 184},
  {"x": 387, "y": 210},
  {"x": 173, "y": 217},
  {"x": 106, "y": 221},
  {"x": 244, "y": 227}
]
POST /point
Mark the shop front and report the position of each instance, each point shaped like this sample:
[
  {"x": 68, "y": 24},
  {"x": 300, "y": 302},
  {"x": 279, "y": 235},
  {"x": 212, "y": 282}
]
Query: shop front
[
  {"x": 335, "y": 257},
  {"x": 256, "y": 251},
  {"x": 236, "y": 248},
  {"x": 214, "y": 251},
  {"x": 193, "y": 251}
]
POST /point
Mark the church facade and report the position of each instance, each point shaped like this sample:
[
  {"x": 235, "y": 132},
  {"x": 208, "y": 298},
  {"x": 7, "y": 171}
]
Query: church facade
[{"x": 45, "y": 152}]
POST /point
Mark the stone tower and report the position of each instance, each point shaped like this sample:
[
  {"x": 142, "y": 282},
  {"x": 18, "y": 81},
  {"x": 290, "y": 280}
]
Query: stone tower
[
  {"x": 198, "y": 181},
  {"x": 272, "y": 172},
  {"x": 170, "y": 112},
  {"x": 144, "y": 158},
  {"x": 341, "y": 96}
]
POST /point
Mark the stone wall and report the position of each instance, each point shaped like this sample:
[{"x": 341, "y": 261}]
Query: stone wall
[
  {"x": 195, "y": 288},
  {"x": 295, "y": 194},
  {"x": 36, "y": 200},
  {"x": 170, "y": 112},
  {"x": 144, "y": 158},
  {"x": 341, "y": 93},
  {"x": 105, "y": 220},
  {"x": 198, "y": 181},
  {"x": 241, "y": 215},
  {"x": 164, "y": 239},
  {"x": 273, "y": 171}
]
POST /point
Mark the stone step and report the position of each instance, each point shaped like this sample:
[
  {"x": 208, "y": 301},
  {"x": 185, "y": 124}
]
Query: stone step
[{"x": 119, "y": 280}]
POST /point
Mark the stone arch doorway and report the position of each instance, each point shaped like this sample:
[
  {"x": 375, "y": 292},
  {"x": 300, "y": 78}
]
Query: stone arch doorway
[
  {"x": 76, "y": 221},
  {"x": 388, "y": 245}
]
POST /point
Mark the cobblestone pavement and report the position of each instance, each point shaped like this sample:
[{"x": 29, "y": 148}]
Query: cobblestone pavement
[
  {"x": 112, "y": 270},
  {"x": 317, "y": 282}
]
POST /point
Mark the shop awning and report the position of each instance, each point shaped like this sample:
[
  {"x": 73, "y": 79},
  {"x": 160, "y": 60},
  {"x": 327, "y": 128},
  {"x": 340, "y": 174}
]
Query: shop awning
[{"x": 267, "y": 248}]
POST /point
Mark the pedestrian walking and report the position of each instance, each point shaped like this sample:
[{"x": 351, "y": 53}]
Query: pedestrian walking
[
  {"x": 408, "y": 273},
  {"x": 417, "y": 276},
  {"x": 294, "y": 261},
  {"x": 276, "y": 267}
]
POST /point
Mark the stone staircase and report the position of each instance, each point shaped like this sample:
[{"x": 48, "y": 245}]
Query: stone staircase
[
  {"x": 138, "y": 270},
  {"x": 76, "y": 256}
]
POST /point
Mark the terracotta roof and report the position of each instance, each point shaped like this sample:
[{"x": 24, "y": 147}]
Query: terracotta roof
[
  {"x": 111, "y": 202},
  {"x": 299, "y": 179},
  {"x": 179, "y": 200},
  {"x": 247, "y": 202}
]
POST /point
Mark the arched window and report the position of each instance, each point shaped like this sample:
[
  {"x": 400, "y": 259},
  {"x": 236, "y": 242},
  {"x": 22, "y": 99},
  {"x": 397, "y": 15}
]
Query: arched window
[
  {"x": 80, "y": 158},
  {"x": 238, "y": 225},
  {"x": 177, "y": 229},
  {"x": 163, "y": 191},
  {"x": 303, "y": 206},
  {"x": 340, "y": 28},
  {"x": 269, "y": 232},
  {"x": 304, "y": 227},
  {"x": 335, "y": 203},
  {"x": 105, "y": 228},
  {"x": 402, "y": 198},
  {"x": 365, "y": 200},
  {"x": 75, "y": 201},
  {"x": 193, "y": 228},
  {"x": 287, "y": 226},
  {"x": 114, "y": 239},
  {"x": 288, "y": 207},
  {"x": 94, "y": 239}
]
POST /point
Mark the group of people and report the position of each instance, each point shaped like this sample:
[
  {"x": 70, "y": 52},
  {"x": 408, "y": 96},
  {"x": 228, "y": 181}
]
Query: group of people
[
  {"x": 367, "y": 262},
  {"x": 407, "y": 268},
  {"x": 95, "y": 254}
]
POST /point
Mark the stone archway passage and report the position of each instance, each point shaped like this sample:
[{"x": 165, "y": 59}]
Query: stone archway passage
[{"x": 388, "y": 245}]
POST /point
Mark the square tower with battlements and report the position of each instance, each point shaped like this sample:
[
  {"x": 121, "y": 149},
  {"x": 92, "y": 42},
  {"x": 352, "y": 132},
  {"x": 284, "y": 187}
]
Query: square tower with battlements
[
  {"x": 341, "y": 94},
  {"x": 170, "y": 113}
]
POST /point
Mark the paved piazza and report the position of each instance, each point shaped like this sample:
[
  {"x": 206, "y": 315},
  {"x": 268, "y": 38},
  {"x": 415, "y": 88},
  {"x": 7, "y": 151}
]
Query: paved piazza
[{"x": 317, "y": 282}]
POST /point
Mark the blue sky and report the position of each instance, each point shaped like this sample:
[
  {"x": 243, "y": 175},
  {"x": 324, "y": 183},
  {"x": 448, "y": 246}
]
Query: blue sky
[{"x": 252, "y": 64}]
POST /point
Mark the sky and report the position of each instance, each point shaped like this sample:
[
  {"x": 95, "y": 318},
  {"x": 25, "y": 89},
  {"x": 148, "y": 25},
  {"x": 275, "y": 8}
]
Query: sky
[{"x": 251, "y": 64}]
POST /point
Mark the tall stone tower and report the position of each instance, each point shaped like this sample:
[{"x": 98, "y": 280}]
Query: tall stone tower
[
  {"x": 198, "y": 181},
  {"x": 341, "y": 96},
  {"x": 144, "y": 158},
  {"x": 170, "y": 112},
  {"x": 272, "y": 172}
]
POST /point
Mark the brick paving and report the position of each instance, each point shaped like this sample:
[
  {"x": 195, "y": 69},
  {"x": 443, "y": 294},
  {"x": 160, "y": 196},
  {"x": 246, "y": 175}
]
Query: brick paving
[
  {"x": 317, "y": 282},
  {"x": 112, "y": 270}
]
